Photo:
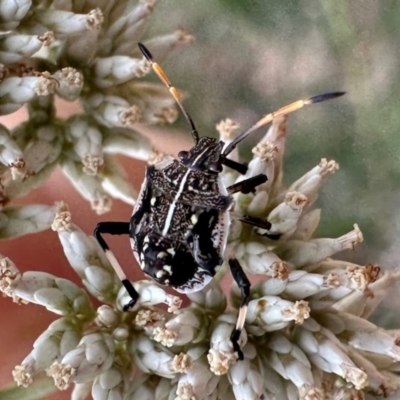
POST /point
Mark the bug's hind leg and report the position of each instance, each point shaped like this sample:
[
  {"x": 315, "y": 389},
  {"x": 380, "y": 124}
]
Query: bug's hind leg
[
  {"x": 116, "y": 228},
  {"x": 244, "y": 284}
]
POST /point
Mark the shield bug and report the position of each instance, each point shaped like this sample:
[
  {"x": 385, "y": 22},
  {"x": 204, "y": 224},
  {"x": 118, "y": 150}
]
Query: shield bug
[{"x": 180, "y": 223}]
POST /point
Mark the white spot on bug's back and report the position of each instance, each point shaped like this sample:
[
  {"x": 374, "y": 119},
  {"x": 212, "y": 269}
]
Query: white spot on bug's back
[
  {"x": 168, "y": 269},
  {"x": 162, "y": 254},
  {"x": 160, "y": 273},
  {"x": 153, "y": 201},
  {"x": 146, "y": 239},
  {"x": 194, "y": 219},
  {"x": 171, "y": 251}
]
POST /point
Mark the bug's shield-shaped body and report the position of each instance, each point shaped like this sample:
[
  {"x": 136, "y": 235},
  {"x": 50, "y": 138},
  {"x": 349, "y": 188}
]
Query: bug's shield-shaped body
[{"x": 180, "y": 223}]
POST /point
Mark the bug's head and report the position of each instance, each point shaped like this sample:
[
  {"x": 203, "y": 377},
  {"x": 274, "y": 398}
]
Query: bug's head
[{"x": 204, "y": 156}]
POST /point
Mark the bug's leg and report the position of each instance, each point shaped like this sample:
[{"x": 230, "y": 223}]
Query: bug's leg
[
  {"x": 236, "y": 166},
  {"x": 255, "y": 221},
  {"x": 247, "y": 185},
  {"x": 244, "y": 284},
  {"x": 116, "y": 228}
]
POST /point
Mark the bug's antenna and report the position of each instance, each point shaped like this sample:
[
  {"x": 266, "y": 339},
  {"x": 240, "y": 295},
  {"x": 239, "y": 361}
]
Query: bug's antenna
[
  {"x": 174, "y": 92},
  {"x": 282, "y": 111}
]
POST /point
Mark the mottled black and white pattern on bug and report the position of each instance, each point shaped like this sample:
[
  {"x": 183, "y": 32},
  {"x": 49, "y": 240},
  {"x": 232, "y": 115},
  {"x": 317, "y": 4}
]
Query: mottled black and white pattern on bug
[{"x": 180, "y": 223}]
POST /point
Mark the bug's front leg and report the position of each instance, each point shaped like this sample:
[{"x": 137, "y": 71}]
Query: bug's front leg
[
  {"x": 247, "y": 185},
  {"x": 116, "y": 228},
  {"x": 244, "y": 284}
]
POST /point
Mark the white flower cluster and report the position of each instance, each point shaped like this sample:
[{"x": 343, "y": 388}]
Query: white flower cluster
[
  {"x": 79, "y": 53},
  {"x": 306, "y": 335}
]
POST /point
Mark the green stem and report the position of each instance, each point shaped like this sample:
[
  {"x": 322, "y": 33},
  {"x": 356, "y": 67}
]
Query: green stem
[{"x": 38, "y": 390}]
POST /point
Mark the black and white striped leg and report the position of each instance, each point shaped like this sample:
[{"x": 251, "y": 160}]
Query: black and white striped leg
[
  {"x": 244, "y": 284},
  {"x": 116, "y": 228},
  {"x": 247, "y": 185}
]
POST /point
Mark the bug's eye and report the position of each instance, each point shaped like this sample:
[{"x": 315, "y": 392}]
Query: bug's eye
[
  {"x": 183, "y": 154},
  {"x": 216, "y": 167}
]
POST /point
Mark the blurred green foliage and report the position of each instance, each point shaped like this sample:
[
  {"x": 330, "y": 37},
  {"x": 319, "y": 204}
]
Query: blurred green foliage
[{"x": 253, "y": 56}]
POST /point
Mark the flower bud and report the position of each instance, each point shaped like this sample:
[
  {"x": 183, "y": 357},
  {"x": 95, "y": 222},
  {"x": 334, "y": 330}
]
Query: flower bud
[
  {"x": 89, "y": 186},
  {"x": 115, "y": 181},
  {"x": 16, "y": 48},
  {"x": 246, "y": 380},
  {"x": 11, "y": 13},
  {"x": 87, "y": 143},
  {"x": 265, "y": 263},
  {"x": 66, "y": 24},
  {"x": 11, "y": 155},
  {"x": 276, "y": 135},
  {"x": 188, "y": 326},
  {"x": 87, "y": 258},
  {"x": 43, "y": 147},
  {"x": 310, "y": 183},
  {"x": 307, "y": 224},
  {"x": 291, "y": 363},
  {"x": 284, "y": 217},
  {"x": 154, "y": 101},
  {"x": 93, "y": 355},
  {"x": 126, "y": 142},
  {"x": 126, "y": 26},
  {"x": 9, "y": 279},
  {"x": 21, "y": 220},
  {"x": 325, "y": 351},
  {"x": 16, "y": 91},
  {"x": 81, "y": 391},
  {"x": 221, "y": 355},
  {"x": 118, "y": 69},
  {"x": 60, "y": 337},
  {"x": 162, "y": 46},
  {"x": 364, "y": 303},
  {"x": 106, "y": 316},
  {"x": 227, "y": 132},
  {"x": 299, "y": 253},
  {"x": 111, "y": 384},
  {"x": 16, "y": 189},
  {"x": 270, "y": 313},
  {"x": 113, "y": 111},
  {"x": 58, "y": 295},
  {"x": 362, "y": 334},
  {"x": 151, "y": 357},
  {"x": 150, "y": 294},
  {"x": 198, "y": 381},
  {"x": 70, "y": 83},
  {"x": 210, "y": 298}
]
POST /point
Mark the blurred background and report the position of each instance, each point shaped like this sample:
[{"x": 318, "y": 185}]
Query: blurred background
[{"x": 251, "y": 57}]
